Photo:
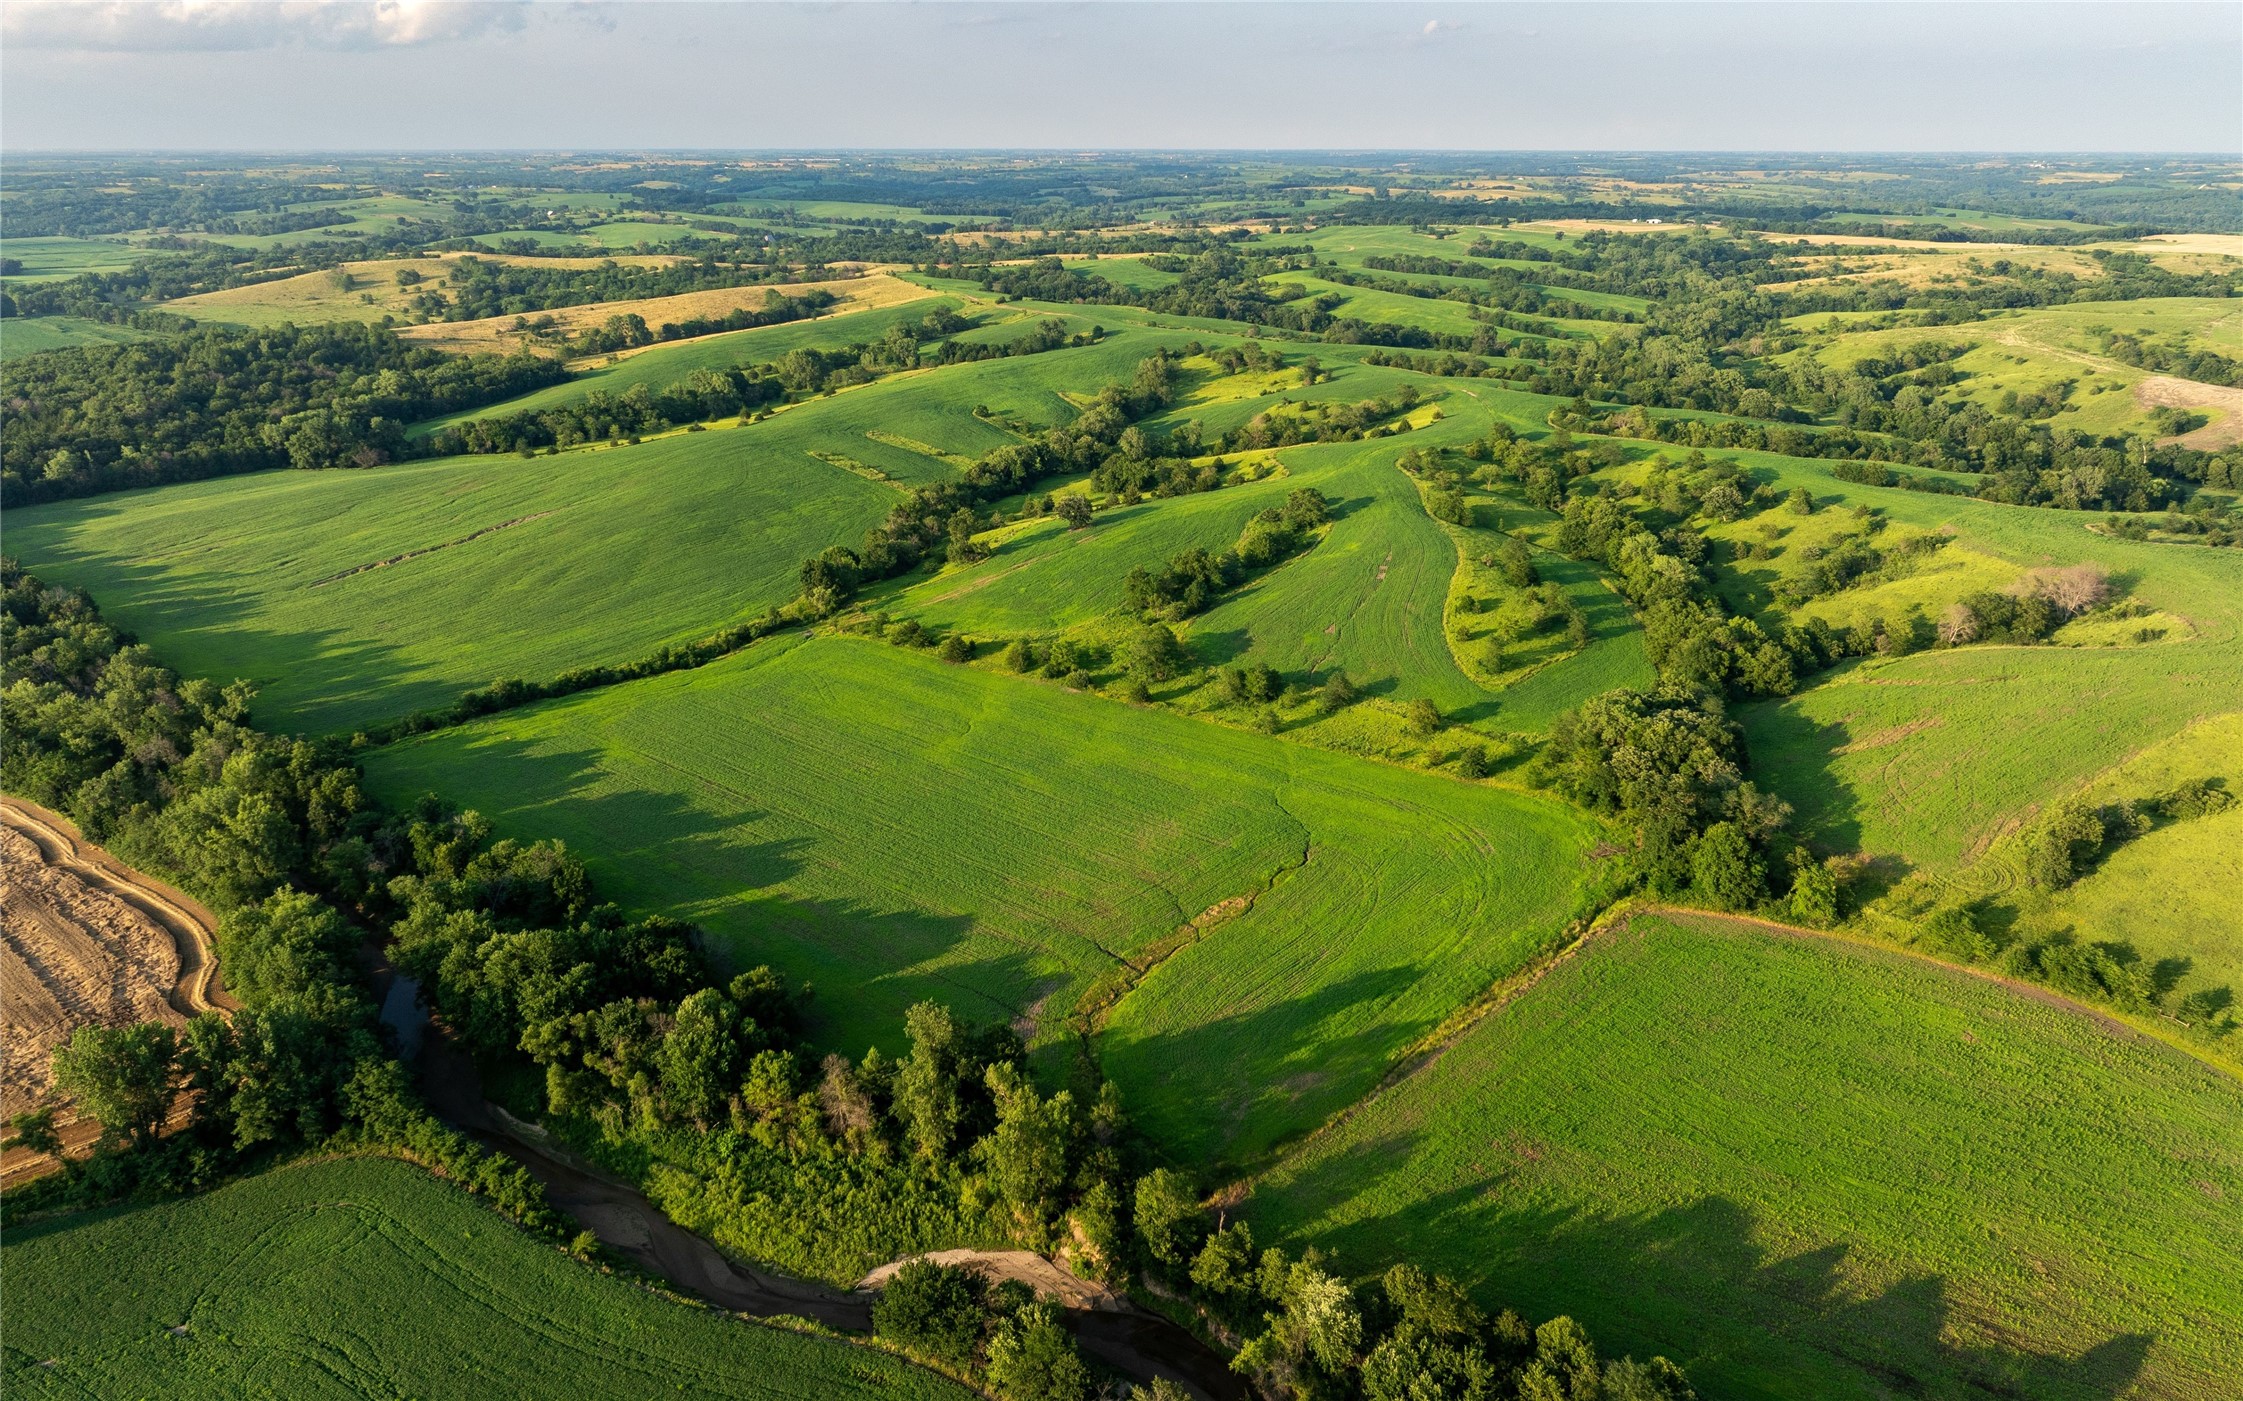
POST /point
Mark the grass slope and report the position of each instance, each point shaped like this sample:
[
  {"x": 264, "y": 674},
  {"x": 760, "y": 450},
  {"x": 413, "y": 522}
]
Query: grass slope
[
  {"x": 28, "y": 335},
  {"x": 1810, "y": 1168},
  {"x": 660, "y": 365},
  {"x": 891, "y": 829},
  {"x": 1926, "y": 757},
  {"x": 369, "y": 1278}
]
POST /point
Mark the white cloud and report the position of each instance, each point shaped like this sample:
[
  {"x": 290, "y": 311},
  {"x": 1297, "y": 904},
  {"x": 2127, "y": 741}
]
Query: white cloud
[{"x": 127, "y": 26}]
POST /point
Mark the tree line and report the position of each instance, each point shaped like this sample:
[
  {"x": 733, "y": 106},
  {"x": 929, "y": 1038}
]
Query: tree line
[
  {"x": 215, "y": 401},
  {"x": 744, "y": 391}
]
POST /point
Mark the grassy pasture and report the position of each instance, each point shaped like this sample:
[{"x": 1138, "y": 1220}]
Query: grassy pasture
[
  {"x": 891, "y": 828},
  {"x": 370, "y": 1278},
  {"x": 1804, "y": 1167},
  {"x": 28, "y": 335},
  {"x": 2027, "y": 351},
  {"x": 2170, "y": 894},
  {"x": 1925, "y": 758}
]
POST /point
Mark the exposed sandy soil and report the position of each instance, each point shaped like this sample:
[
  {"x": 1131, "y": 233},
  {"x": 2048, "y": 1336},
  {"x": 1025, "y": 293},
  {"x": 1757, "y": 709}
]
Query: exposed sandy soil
[
  {"x": 1047, "y": 1279},
  {"x": 84, "y": 941},
  {"x": 496, "y": 335},
  {"x": 2225, "y": 405}
]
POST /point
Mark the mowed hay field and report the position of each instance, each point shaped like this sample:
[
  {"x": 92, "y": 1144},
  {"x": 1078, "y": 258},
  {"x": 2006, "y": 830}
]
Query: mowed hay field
[
  {"x": 496, "y": 335},
  {"x": 891, "y": 828},
  {"x": 368, "y": 291},
  {"x": 1804, "y": 1167},
  {"x": 369, "y": 1278}
]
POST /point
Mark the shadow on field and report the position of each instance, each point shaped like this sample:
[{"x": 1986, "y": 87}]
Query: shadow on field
[
  {"x": 1794, "y": 755},
  {"x": 1233, "y": 1088},
  {"x": 1696, "y": 1284}
]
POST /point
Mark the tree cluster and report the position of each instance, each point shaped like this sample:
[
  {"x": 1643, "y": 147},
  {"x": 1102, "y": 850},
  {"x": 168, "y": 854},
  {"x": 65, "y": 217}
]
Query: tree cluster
[
  {"x": 216, "y": 401},
  {"x": 1192, "y": 579}
]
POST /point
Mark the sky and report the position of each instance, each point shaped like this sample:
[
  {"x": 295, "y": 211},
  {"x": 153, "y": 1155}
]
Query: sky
[{"x": 291, "y": 75}]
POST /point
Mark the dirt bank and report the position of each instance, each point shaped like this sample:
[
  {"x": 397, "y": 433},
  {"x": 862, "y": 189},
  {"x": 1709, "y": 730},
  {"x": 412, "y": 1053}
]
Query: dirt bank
[{"x": 84, "y": 941}]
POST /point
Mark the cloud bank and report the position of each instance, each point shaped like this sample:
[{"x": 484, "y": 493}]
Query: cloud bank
[{"x": 240, "y": 26}]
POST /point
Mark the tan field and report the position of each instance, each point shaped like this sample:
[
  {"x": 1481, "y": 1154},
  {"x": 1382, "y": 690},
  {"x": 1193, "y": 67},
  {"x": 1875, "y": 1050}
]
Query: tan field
[
  {"x": 497, "y": 335},
  {"x": 373, "y": 292}
]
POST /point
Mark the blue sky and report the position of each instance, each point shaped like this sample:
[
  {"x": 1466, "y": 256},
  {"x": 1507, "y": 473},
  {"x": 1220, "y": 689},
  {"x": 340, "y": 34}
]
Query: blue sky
[{"x": 1374, "y": 74}]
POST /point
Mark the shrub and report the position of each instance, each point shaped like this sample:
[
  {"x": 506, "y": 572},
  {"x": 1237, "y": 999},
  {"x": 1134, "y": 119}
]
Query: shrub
[
  {"x": 1032, "y": 1358},
  {"x": 934, "y": 1310},
  {"x": 1954, "y": 932},
  {"x": 956, "y": 648}
]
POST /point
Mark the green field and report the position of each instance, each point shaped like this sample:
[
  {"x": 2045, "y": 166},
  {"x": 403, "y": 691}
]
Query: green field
[
  {"x": 1804, "y": 1167},
  {"x": 891, "y": 828},
  {"x": 46, "y": 259},
  {"x": 1926, "y": 756},
  {"x": 28, "y": 335},
  {"x": 1123, "y": 272},
  {"x": 589, "y": 556},
  {"x": 1369, "y": 304},
  {"x": 369, "y": 1278}
]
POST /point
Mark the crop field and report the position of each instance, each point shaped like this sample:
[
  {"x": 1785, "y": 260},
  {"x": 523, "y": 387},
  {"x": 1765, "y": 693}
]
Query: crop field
[
  {"x": 369, "y": 1278},
  {"x": 1042, "y": 578},
  {"x": 1300, "y": 855},
  {"x": 804, "y": 802},
  {"x": 30, "y": 335},
  {"x": 1122, "y": 271},
  {"x": 47, "y": 258},
  {"x": 1370, "y": 304},
  {"x": 1804, "y": 1167},
  {"x": 352, "y": 596}
]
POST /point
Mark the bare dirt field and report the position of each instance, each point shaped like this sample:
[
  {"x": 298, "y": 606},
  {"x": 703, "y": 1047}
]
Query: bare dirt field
[
  {"x": 84, "y": 940},
  {"x": 2226, "y": 427}
]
